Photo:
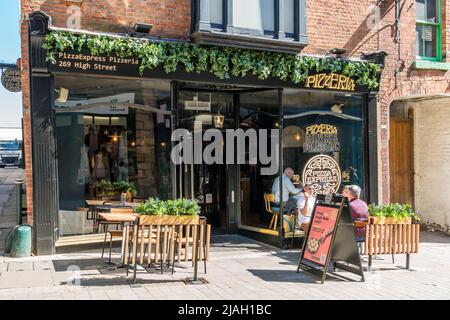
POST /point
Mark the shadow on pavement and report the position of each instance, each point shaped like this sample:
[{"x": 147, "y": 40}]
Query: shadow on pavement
[{"x": 301, "y": 277}]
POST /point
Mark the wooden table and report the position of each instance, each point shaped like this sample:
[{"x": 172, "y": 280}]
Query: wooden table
[{"x": 124, "y": 219}]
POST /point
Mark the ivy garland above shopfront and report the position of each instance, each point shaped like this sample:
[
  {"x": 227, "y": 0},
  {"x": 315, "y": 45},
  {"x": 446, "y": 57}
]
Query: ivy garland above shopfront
[{"x": 223, "y": 62}]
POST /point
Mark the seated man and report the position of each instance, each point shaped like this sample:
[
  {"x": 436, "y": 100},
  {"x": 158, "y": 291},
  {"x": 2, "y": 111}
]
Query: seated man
[
  {"x": 305, "y": 206},
  {"x": 358, "y": 208},
  {"x": 290, "y": 192}
]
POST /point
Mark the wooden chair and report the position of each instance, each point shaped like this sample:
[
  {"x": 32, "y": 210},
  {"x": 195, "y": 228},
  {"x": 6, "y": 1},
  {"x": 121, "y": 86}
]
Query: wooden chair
[
  {"x": 274, "y": 210},
  {"x": 113, "y": 233},
  {"x": 291, "y": 229}
]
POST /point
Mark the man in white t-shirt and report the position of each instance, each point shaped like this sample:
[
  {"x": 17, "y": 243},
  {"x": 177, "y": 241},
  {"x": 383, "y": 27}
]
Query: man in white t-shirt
[{"x": 305, "y": 205}]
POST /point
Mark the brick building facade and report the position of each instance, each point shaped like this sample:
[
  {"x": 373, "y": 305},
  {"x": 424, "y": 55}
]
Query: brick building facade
[{"x": 349, "y": 24}]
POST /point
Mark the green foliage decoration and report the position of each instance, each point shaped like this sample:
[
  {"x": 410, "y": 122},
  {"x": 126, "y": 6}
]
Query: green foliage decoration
[{"x": 223, "y": 62}]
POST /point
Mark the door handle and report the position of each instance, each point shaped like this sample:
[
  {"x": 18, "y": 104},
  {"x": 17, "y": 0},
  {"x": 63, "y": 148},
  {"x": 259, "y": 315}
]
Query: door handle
[{"x": 232, "y": 196}]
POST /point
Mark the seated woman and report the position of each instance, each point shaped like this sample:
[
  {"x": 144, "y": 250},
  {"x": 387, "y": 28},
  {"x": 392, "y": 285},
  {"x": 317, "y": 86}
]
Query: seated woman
[
  {"x": 358, "y": 208},
  {"x": 305, "y": 206}
]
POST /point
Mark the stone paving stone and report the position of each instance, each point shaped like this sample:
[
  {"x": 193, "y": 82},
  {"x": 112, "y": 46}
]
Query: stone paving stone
[
  {"x": 26, "y": 279},
  {"x": 43, "y": 265},
  {"x": 238, "y": 273},
  {"x": 20, "y": 266}
]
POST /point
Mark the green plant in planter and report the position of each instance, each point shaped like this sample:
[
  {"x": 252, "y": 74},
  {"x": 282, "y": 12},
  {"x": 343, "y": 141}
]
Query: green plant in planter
[
  {"x": 179, "y": 207},
  {"x": 191, "y": 207},
  {"x": 393, "y": 210},
  {"x": 174, "y": 207},
  {"x": 105, "y": 188},
  {"x": 152, "y": 206}
]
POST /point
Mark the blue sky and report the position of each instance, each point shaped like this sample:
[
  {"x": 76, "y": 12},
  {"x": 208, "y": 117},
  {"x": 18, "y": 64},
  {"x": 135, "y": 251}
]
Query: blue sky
[{"x": 10, "y": 103}]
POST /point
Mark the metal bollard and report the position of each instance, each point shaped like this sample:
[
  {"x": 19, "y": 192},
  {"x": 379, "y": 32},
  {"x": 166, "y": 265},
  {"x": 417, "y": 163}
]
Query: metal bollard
[{"x": 19, "y": 183}]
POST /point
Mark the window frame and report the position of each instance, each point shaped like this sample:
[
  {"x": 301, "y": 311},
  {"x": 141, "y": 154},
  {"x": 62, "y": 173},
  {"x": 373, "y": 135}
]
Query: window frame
[
  {"x": 438, "y": 26},
  {"x": 200, "y": 24}
]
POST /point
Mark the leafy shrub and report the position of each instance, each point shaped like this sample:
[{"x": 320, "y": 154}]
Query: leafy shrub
[
  {"x": 393, "y": 210},
  {"x": 179, "y": 207}
]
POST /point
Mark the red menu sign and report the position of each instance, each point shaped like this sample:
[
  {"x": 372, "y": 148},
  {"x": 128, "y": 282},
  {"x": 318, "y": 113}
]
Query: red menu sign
[{"x": 321, "y": 232}]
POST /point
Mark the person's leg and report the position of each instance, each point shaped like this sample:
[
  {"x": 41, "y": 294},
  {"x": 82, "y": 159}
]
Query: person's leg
[
  {"x": 290, "y": 205},
  {"x": 305, "y": 227}
]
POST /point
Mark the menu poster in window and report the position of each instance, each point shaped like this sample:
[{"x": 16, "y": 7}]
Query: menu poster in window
[{"x": 319, "y": 239}]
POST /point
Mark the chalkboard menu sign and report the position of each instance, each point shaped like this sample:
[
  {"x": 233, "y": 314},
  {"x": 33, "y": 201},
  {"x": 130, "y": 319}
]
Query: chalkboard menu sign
[{"x": 330, "y": 239}]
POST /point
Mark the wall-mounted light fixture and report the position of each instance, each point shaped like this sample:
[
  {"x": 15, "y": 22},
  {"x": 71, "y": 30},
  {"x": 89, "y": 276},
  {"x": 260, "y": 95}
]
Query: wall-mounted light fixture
[
  {"x": 337, "y": 52},
  {"x": 63, "y": 94},
  {"x": 219, "y": 119},
  {"x": 337, "y": 108}
]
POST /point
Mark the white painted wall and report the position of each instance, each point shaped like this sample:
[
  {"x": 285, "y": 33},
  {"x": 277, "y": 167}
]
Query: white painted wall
[{"x": 432, "y": 160}]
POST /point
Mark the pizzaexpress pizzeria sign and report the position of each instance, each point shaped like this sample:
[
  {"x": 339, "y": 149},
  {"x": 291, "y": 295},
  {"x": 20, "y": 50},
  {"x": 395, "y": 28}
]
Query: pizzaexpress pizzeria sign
[{"x": 92, "y": 63}]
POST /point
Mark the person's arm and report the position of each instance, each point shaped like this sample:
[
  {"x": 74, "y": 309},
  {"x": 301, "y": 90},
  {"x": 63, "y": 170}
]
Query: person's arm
[
  {"x": 302, "y": 206},
  {"x": 304, "y": 210},
  {"x": 290, "y": 186}
]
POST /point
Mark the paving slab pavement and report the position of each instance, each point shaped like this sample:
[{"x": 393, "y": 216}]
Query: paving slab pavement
[{"x": 239, "y": 268}]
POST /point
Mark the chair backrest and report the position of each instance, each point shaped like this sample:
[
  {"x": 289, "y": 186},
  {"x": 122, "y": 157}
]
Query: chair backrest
[
  {"x": 269, "y": 198},
  {"x": 121, "y": 210}
]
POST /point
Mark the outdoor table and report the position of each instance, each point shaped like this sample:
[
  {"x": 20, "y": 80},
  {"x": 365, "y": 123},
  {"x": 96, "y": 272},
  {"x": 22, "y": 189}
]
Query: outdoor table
[
  {"x": 92, "y": 204},
  {"x": 123, "y": 219}
]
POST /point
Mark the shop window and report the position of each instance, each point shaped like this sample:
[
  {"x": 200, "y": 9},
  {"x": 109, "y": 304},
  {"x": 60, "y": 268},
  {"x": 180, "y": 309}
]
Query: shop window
[
  {"x": 108, "y": 134},
  {"x": 330, "y": 124},
  {"x": 262, "y": 20},
  {"x": 428, "y": 30}
]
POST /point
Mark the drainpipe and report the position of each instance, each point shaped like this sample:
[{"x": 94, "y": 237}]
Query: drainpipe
[{"x": 397, "y": 20}]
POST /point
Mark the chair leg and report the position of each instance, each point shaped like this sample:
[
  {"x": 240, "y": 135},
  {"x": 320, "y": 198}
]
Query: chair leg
[
  {"x": 130, "y": 247},
  {"x": 160, "y": 253},
  {"x": 110, "y": 248},
  {"x": 276, "y": 222},
  {"x": 175, "y": 246},
  {"x": 204, "y": 252},
  {"x": 135, "y": 264},
  {"x": 271, "y": 221},
  {"x": 293, "y": 233},
  {"x": 104, "y": 245},
  {"x": 393, "y": 260}
]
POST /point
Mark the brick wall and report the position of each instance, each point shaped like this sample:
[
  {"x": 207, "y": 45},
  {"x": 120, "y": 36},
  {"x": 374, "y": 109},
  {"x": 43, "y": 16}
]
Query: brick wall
[{"x": 346, "y": 24}]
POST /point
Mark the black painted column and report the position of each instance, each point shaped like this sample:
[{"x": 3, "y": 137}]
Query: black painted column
[
  {"x": 372, "y": 144},
  {"x": 44, "y": 162}
]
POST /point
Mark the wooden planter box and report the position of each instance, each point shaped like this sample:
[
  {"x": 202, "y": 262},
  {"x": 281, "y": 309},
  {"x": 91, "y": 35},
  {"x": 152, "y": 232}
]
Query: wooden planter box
[
  {"x": 383, "y": 220},
  {"x": 168, "y": 220}
]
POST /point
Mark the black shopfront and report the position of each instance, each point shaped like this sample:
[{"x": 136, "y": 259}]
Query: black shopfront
[{"x": 101, "y": 120}]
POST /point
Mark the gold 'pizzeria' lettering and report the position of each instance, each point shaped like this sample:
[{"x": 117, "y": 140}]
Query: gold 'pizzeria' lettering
[
  {"x": 321, "y": 129},
  {"x": 330, "y": 81}
]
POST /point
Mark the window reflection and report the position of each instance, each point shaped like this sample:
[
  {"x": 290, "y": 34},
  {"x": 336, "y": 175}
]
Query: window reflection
[{"x": 109, "y": 134}]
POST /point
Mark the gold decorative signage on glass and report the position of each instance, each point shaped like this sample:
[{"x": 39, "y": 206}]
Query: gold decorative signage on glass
[
  {"x": 321, "y": 138},
  {"x": 323, "y": 174},
  {"x": 330, "y": 81}
]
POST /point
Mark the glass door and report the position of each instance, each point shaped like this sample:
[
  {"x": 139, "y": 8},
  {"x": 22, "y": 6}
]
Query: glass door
[{"x": 199, "y": 111}]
